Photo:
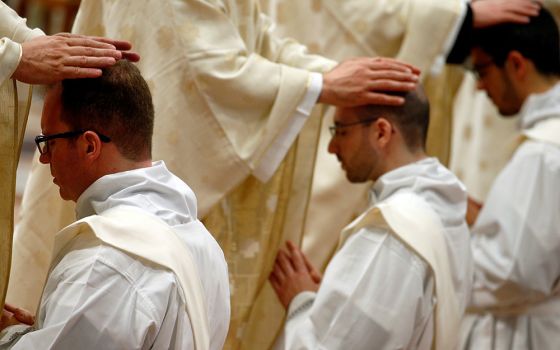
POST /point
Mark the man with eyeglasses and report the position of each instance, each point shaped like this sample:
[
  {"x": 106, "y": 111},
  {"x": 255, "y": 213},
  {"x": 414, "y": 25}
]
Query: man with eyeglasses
[
  {"x": 401, "y": 278},
  {"x": 516, "y": 234},
  {"x": 137, "y": 270}
]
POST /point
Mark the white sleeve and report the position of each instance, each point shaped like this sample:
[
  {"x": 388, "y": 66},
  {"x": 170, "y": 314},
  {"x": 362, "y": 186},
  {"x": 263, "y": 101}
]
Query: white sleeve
[
  {"x": 515, "y": 238},
  {"x": 13, "y": 30},
  {"x": 374, "y": 291},
  {"x": 93, "y": 303}
]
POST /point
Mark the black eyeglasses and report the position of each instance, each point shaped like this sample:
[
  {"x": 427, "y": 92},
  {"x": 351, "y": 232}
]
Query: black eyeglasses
[
  {"x": 42, "y": 141},
  {"x": 334, "y": 129}
]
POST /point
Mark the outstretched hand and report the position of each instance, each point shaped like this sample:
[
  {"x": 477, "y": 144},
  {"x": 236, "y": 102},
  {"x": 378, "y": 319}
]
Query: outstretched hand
[
  {"x": 48, "y": 59},
  {"x": 363, "y": 80},
  {"x": 293, "y": 274},
  {"x": 12, "y": 315},
  {"x": 491, "y": 12}
]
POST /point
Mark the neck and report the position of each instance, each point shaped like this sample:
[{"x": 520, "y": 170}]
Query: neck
[
  {"x": 401, "y": 157},
  {"x": 538, "y": 84}
]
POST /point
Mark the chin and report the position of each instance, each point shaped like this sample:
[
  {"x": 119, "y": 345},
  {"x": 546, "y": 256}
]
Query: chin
[
  {"x": 508, "y": 112},
  {"x": 64, "y": 195},
  {"x": 354, "y": 179}
]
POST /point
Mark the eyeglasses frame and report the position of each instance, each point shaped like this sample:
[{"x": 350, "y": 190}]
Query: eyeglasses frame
[
  {"x": 39, "y": 139},
  {"x": 335, "y": 127}
]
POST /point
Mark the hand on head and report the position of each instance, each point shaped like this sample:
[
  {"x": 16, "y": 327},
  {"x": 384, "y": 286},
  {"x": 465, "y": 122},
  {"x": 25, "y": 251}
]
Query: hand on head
[
  {"x": 48, "y": 59},
  {"x": 487, "y": 13},
  {"x": 362, "y": 81},
  {"x": 292, "y": 274}
]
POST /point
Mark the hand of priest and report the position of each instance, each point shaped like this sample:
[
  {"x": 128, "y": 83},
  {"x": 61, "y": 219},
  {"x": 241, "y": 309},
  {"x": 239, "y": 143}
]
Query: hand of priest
[
  {"x": 12, "y": 315},
  {"x": 48, "y": 59},
  {"x": 293, "y": 274},
  {"x": 364, "y": 80},
  {"x": 491, "y": 12}
]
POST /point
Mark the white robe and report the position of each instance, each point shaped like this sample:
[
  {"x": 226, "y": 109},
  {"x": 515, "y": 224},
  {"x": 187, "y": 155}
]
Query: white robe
[
  {"x": 375, "y": 291},
  {"x": 98, "y": 297},
  {"x": 516, "y": 245}
]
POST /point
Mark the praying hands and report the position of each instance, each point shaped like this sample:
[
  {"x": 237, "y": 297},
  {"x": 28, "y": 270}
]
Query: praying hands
[{"x": 293, "y": 274}]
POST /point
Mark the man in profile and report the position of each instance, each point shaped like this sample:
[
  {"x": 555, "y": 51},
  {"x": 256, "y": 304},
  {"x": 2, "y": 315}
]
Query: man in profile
[
  {"x": 402, "y": 275},
  {"x": 137, "y": 270},
  {"x": 516, "y": 240}
]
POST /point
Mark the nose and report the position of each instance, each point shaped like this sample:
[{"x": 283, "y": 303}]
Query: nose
[
  {"x": 45, "y": 158},
  {"x": 332, "y": 145},
  {"x": 480, "y": 84}
]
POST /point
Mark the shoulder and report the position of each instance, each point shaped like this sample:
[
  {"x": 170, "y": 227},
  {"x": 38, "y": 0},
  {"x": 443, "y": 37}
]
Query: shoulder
[
  {"x": 532, "y": 151},
  {"x": 98, "y": 266},
  {"x": 380, "y": 245}
]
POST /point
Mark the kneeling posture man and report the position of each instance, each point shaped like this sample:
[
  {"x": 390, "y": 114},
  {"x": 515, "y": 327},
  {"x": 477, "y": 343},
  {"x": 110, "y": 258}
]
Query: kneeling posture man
[
  {"x": 137, "y": 270},
  {"x": 402, "y": 275}
]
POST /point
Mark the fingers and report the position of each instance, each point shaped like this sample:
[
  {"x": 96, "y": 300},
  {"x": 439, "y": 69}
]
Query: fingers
[
  {"x": 131, "y": 56},
  {"x": 82, "y": 40},
  {"x": 79, "y": 72},
  {"x": 315, "y": 274},
  {"x": 92, "y": 52},
  {"x": 118, "y": 44},
  {"x": 297, "y": 257},
  {"x": 393, "y": 64},
  {"x": 390, "y": 85},
  {"x": 392, "y": 75},
  {"x": 21, "y": 315},
  {"x": 283, "y": 260},
  {"x": 118, "y": 48},
  {"x": 89, "y": 61},
  {"x": 382, "y": 99}
]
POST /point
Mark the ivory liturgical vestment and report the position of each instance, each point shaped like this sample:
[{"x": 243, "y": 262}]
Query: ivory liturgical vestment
[
  {"x": 14, "y": 107},
  {"x": 226, "y": 93}
]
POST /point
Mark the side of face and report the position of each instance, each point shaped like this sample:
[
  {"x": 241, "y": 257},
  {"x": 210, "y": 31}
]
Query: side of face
[
  {"x": 65, "y": 156},
  {"x": 354, "y": 148},
  {"x": 500, "y": 83}
]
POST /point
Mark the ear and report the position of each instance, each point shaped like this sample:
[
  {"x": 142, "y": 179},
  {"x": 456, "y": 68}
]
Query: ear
[
  {"x": 381, "y": 132},
  {"x": 517, "y": 65},
  {"x": 92, "y": 145}
]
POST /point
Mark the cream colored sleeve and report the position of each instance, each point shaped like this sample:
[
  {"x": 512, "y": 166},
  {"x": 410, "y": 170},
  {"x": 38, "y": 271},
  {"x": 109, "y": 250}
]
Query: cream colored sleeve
[
  {"x": 252, "y": 80},
  {"x": 13, "y": 30}
]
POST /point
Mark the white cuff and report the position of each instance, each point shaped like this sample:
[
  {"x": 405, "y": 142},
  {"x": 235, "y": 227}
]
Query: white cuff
[
  {"x": 278, "y": 149},
  {"x": 439, "y": 62},
  {"x": 300, "y": 304}
]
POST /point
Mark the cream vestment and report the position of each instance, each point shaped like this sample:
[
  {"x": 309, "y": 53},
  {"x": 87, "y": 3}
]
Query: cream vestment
[
  {"x": 13, "y": 117},
  {"x": 229, "y": 98}
]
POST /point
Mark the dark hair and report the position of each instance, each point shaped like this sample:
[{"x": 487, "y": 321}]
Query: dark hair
[
  {"x": 537, "y": 41},
  {"x": 118, "y": 104},
  {"x": 412, "y": 118}
]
